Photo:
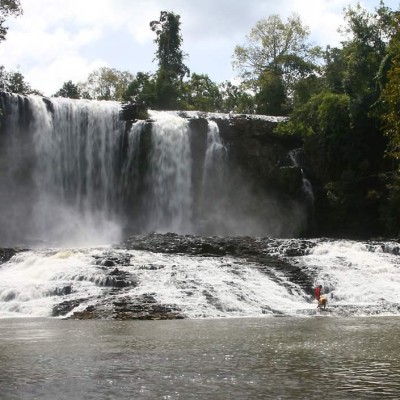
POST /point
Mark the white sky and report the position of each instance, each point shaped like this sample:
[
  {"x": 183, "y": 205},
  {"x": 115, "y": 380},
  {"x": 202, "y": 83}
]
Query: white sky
[{"x": 58, "y": 40}]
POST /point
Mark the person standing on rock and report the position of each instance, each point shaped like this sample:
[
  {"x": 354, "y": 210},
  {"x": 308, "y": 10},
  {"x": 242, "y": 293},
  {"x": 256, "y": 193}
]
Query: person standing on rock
[{"x": 317, "y": 293}]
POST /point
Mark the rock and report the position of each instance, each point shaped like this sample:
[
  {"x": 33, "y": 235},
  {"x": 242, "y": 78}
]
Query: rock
[
  {"x": 65, "y": 307},
  {"x": 7, "y": 253}
]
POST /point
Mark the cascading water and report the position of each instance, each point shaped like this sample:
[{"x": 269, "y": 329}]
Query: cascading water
[
  {"x": 359, "y": 278},
  {"x": 74, "y": 174},
  {"x": 170, "y": 201},
  {"x": 77, "y": 148},
  {"x": 59, "y": 183},
  {"x": 307, "y": 187}
]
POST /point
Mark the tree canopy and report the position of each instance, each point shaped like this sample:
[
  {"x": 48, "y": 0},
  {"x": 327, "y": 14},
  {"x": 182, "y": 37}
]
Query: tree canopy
[
  {"x": 169, "y": 55},
  {"x": 275, "y": 56},
  {"x": 8, "y": 8},
  {"x": 106, "y": 84},
  {"x": 69, "y": 90}
]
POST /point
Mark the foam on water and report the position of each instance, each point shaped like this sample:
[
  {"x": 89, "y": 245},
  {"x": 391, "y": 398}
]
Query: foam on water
[
  {"x": 30, "y": 283},
  {"x": 213, "y": 287},
  {"x": 355, "y": 273},
  {"x": 364, "y": 276}
]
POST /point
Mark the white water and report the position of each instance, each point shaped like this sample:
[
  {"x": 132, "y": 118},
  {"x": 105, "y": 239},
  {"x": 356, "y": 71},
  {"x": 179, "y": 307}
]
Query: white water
[
  {"x": 353, "y": 274},
  {"x": 29, "y": 279},
  {"x": 70, "y": 175},
  {"x": 73, "y": 173},
  {"x": 306, "y": 187},
  {"x": 76, "y": 151},
  {"x": 170, "y": 173}
]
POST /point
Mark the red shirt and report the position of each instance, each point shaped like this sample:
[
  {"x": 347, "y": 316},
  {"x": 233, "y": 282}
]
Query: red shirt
[{"x": 317, "y": 292}]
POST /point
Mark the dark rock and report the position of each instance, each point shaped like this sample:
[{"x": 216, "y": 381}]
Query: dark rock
[
  {"x": 7, "y": 253},
  {"x": 132, "y": 111},
  {"x": 62, "y": 291},
  {"x": 65, "y": 307}
]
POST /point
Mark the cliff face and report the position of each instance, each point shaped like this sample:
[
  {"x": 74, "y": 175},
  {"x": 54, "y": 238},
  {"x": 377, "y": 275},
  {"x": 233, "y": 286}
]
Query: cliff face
[
  {"x": 264, "y": 157},
  {"x": 259, "y": 157}
]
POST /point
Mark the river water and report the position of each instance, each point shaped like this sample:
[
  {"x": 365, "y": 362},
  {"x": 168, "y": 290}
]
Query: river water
[{"x": 244, "y": 358}]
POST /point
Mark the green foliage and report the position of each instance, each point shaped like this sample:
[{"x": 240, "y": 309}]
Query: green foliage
[
  {"x": 8, "y": 8},
  {"x": 201, "y": 93},
  {"x": 270, "y": 42},
  {"x": 364, "y": 52},
  {"x": 274, "y": 58},
  {"x": 105, "y": 84},
  {"x": 270, "y": 97},
  {"x": 236, "y": 98},
  {"x": 169, "y": 55},
  {"x": 391, "y": 95},
  {"x": 68, "y": 90},
  {"x": 142, "y": 90},
  {"x": 14, "y": 82}
]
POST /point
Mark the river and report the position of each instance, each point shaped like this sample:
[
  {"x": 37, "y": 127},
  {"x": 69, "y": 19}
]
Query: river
[{"x": 244, "y": 358}]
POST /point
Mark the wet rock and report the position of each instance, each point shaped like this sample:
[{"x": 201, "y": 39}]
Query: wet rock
[
  {"x": 7, "y": 253},
  {"x": 143, "y": 307},
  {"x": 65, "y": 307},
  {"x": 66, "y": 290}
]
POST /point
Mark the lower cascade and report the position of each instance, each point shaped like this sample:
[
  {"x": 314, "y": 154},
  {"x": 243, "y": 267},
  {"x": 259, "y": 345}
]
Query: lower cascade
[{"x": 169, "y": 276}]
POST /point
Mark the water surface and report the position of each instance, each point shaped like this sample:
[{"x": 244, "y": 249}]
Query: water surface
[{"x": 254, "y": 358}]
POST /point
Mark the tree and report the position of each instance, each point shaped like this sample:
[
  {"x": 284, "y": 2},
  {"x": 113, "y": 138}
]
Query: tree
[
  {"x": 275, "y": 56},
  {"x": 236, "y": 98},
  {"x": 391, "y": 94},
  {"x": 201, "y": 93},
  {"x": 142, "y": 90},
  {"x": 8, "y": 8},
  {"x": 363, "y": 53},
  {"x": 337, "y": 115},
  {"x": 68, "y": 90},
  {"x": 171, "y": 69},
  {"x": 14, "y": 82},
  {"x": 106, "y": 84},
  {"x": 270, "y": 97}
]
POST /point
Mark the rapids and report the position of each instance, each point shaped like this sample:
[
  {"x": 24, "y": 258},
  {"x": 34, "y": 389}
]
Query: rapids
[{"x": 197, "y": 277}]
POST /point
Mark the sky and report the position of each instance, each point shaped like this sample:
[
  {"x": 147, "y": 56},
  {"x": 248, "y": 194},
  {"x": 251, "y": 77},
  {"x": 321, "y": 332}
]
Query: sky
[{"x": 55, "y": 41}]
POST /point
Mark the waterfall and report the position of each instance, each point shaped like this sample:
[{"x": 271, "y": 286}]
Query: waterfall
[
  {"x": 170, "y": 200},
  {"x": 60, "y": 171},
  {"x": 77, "y": 151},
  {"x": 214, "y": 178},
  {"x": 74, "y": 173},
  {"x": 307, "y": 187}
]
